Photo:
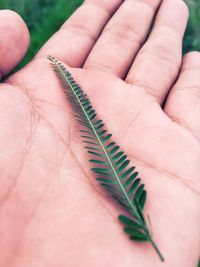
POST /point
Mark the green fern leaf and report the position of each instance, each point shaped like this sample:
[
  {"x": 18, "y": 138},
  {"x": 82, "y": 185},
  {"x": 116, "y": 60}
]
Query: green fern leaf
[
  {"x": 111, "y": 163},
  {"x": 129, "y": 222},
  {"x": 142, "y": 199}
]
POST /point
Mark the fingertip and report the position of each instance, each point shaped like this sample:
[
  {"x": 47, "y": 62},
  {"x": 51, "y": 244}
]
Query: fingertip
[
  {"x": 175, "y": 13},
  {"x": 179, "y": 5},
  {"x": 14, "y": 40},
  {"x": 183, "y": 7},
  {"x": 191, "y": 58}
]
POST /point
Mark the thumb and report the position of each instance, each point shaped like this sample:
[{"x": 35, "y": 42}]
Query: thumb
[{"x": 14, "y": 40}]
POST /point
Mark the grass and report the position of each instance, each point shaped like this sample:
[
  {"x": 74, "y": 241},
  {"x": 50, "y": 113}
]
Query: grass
[
  {"x": 44, "y": 17},
  {"x": 192, "y": 36}
]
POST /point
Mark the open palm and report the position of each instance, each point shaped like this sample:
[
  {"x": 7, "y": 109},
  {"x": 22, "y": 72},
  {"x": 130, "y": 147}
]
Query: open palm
[{"x": 52, "y": 212}]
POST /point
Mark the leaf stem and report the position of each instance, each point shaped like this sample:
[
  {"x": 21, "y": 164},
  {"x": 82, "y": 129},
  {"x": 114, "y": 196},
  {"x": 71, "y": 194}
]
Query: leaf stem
[{"x": 156, "y": 249}]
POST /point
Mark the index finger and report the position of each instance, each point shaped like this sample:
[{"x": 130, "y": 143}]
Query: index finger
[
  {"x": 14, "y": 41},
  {"x": 73, "y": 42}
]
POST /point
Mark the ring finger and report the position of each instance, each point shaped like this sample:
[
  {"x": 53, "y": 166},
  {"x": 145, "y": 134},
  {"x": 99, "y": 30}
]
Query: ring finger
[{"x": 157, "y": 65}]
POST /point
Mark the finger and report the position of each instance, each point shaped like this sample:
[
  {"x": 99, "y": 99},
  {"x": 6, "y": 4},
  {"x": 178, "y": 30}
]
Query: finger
[
  {"x": 122, "y": 37},
  {"x": 183, "y": 103},
  {"x": 14, "y": 40},
  {"x": 157, "y": 64},
  {"x": 75, "y": 39}
]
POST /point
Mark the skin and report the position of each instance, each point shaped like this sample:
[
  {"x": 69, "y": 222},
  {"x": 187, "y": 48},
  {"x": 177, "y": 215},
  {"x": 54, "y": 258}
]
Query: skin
[{"x": 52, "y": 211}]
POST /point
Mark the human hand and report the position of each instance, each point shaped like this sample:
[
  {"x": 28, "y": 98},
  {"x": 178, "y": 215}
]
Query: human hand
[{"x": 52, "y": 212}]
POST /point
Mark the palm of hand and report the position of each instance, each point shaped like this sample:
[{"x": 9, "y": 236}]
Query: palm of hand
[{"x": 50, "y": 202}]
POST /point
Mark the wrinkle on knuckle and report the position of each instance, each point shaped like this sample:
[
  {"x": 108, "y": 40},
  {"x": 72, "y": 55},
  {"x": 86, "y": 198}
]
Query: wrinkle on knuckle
[
  {"x": 193, "y": 90},
  {"x": 186, "y": 126},
  {"x": 163, "y": 54},
  {"x": 146, "y": 88},
  {"x": 145, "y": 3},
  {"x": 101, "y": 8},
  {"x": 98, "y": 66},
  {"x": 189, "y": 68},
  {"x": 124, "y": 32},
  {"x": 80, "y": 30}
]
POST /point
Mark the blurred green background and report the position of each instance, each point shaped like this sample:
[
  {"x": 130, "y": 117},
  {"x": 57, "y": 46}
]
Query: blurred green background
[{"x": 44, "y": 17}]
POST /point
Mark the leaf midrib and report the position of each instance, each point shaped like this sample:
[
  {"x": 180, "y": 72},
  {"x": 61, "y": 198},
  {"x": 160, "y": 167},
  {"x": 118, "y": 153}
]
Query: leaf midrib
[{"x": 105, "y": 153}]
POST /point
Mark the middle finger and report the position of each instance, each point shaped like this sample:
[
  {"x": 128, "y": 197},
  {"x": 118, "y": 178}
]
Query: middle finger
[{"x": 122, "y": 37}]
